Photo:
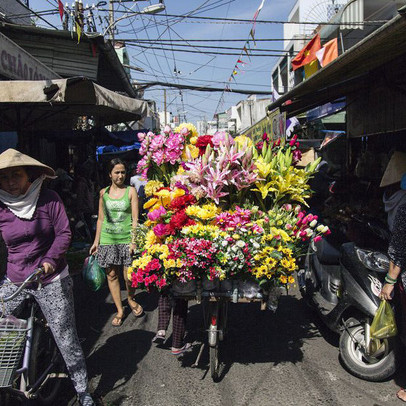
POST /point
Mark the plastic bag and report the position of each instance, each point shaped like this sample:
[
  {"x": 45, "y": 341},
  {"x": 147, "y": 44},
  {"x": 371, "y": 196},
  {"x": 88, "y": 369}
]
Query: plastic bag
[
  {"x": 384, "y": 324},
  {"x": 93, "y": 274}
]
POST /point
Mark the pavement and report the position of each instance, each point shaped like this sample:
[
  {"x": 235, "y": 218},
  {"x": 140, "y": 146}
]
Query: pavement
[{"x": 287, "y": 358}]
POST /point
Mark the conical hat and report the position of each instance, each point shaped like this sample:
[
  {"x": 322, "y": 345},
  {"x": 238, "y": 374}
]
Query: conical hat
[
  {"x": 307, "y": 158},
  {"x": 12, "y": 158},
  {"x": 395, "y": 169}
]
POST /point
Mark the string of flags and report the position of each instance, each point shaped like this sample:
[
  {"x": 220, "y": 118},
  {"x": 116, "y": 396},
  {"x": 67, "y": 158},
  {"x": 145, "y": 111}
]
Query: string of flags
[
  {"x": 240, "y": 64},
  {"x": 74, "y": 19}
]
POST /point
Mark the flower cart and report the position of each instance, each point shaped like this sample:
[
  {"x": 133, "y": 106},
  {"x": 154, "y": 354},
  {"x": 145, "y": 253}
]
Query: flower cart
[{"x": 225, "y": 220}]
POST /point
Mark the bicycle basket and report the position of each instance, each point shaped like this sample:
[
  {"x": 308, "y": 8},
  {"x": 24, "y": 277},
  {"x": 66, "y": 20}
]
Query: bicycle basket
[{"x": 13, "y": 332}]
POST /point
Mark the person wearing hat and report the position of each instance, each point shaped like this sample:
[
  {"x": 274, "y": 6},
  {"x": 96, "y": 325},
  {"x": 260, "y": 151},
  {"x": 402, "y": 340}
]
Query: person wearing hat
[
  {"x": 35, "y": 228},
  {"x": 395, "y": 189}
]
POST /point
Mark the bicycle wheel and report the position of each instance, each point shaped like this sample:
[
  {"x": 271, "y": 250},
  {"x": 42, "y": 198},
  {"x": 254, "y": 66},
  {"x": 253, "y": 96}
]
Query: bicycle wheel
[
  {"x": 214, "y": 362},
  {"x": 43, "y": 352},
  {"x": 215, "y": 323}
]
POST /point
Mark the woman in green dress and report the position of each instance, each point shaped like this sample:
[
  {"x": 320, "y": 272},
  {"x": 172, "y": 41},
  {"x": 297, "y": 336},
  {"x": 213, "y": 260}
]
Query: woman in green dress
[{"x": 118, "y": 213}]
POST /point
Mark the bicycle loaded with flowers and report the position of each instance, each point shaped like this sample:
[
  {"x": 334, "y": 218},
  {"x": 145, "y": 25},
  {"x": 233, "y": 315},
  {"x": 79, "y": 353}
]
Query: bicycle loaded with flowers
[{"x": 222, "y": 209}]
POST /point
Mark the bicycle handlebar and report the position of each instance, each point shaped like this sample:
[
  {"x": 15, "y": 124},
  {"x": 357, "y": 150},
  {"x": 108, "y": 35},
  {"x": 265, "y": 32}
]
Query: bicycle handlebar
[{"x": 34, "y": 277}]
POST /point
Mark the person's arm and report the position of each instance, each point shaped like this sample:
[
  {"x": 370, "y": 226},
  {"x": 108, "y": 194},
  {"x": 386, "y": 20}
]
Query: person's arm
[
  {"x": 394, "y": 272},
  {"x": 134, "y": 213},
  {"x": 100, "y": 218},
  {"x": 396, "y": 252},
  {"x": 62, "y": 232}
]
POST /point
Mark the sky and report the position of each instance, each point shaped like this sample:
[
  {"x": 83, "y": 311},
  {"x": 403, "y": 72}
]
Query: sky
[{"x": 200, "y": 68}]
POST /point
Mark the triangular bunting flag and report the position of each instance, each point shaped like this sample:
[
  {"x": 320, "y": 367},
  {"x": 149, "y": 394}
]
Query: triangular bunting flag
[
  {"x": 78, "y": 31},
  {"x": 61, "y": 9}
]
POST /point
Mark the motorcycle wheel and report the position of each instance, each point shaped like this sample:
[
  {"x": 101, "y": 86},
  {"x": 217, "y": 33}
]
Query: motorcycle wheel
[{"x": 377, "y": 366}]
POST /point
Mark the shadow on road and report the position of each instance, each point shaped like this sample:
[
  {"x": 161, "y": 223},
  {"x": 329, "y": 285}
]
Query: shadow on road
[
  {"x": 256, "y": 336},
  {"x": 115, "y": 362}
]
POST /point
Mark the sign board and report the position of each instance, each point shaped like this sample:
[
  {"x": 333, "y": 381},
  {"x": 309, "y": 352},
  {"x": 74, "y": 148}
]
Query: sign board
[
  {"x": 18, "y": 64},
  {"x": 274, "y": 125},
  {"x": 278, "y": 124}
]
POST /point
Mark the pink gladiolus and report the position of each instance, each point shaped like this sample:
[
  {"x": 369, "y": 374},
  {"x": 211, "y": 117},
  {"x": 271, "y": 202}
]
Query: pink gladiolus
[
  {"x": 160, "y": 230},
  {"x": 157, "y": 214},
  {"x": 167, "y": 129},
  {"x": 141, "y": 136},
  {"x": 317, "y": 238}
]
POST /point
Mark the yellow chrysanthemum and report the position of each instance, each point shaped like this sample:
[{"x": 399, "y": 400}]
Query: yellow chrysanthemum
[
  {"x": 291, "y": 279},
  {"x": 283, "y": 279},
  {"x": 190, "y": 152},
  {"x": 150, "y": 238},
  {"x": 152, "y": 186},
  {"x": 193, "y": 140},
  {"x": 192, "y": 129}
]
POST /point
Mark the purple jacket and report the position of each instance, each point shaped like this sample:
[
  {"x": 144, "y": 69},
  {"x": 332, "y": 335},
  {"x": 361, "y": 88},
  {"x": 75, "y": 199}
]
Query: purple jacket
[{"x": 44, "y": 238}]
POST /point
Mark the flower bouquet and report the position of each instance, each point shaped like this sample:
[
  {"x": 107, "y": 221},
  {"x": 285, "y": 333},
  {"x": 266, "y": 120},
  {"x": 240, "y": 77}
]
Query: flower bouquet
[{"x": 222, "y": 209}]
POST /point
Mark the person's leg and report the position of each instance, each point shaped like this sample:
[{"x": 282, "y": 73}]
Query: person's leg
[
  {"x": 56, "y": 302},
  {"x": 7, "y": 289},
  {"x": 179, "y": 323},
  {"x": 164, "y": 316},
  {"x": 136, "y": 308},
  {"x": 114, "y": 286}
]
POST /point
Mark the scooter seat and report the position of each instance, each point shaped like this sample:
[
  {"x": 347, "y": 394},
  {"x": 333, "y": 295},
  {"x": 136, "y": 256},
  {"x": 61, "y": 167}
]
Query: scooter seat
[{"x": 326, "y": 253}]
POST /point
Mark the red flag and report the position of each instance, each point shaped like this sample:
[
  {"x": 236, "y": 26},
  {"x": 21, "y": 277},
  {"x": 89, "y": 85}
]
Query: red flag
[
  {"x": 240, "y": 61},
  {"x": 61, "y": 9},
  {"x": 307, "y": 54}
]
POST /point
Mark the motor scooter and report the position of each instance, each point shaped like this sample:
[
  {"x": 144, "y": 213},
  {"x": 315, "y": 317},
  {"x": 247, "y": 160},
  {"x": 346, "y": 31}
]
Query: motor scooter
[{"x": 343, "y": 285}]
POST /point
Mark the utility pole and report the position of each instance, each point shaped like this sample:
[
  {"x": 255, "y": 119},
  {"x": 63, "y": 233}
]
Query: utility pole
[
  {"x": 165, "y": 106},
  {"x": 111, "y": 20}
]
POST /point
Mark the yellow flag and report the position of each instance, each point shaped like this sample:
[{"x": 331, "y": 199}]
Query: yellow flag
[
  {"x": 311, "y": 68},
  {"x": 78, "y": 31}
]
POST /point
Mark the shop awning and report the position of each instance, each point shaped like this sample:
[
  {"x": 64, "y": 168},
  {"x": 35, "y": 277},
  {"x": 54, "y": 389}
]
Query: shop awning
[
  {"x": 349, "y": 72},
  {"x": 44, "y": 105}
]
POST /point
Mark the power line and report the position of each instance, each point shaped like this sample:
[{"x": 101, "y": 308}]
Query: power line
[
  {"x": 145, "y": 85},
  {"x": 208, "y": 52}
]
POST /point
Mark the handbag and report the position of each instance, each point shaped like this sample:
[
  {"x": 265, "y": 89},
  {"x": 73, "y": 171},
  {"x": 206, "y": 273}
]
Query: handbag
[
  {"x": 93, "y": 274},
  {"x": 384, "y": 324}
]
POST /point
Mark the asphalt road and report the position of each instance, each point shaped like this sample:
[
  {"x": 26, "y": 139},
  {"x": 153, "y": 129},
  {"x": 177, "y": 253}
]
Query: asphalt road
[{"x": 286, "y": 358}]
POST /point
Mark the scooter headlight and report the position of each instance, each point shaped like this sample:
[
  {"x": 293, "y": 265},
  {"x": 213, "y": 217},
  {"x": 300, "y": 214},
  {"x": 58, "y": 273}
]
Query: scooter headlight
[{"x": 375, "y": 261}]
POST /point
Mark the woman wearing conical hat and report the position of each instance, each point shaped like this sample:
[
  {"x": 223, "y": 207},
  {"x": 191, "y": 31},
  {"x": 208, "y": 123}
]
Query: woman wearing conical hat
[{"x": 35, "y": 228}]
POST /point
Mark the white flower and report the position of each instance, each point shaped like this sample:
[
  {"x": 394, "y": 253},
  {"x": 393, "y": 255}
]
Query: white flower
[
  {"x": 313, "y": 223},
  {"x": 224, "y": 243},
  {"x": 320, "y": 228},
  {"x": 234, "y": 248},
  {"x": 255, "y": 245},
  {"x": 240, "y": 243}
]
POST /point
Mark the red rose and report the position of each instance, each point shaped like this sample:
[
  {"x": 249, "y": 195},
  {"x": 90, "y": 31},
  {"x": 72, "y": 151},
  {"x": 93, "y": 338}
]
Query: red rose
[
  {"x": 182, "y": 202},
  {"x": 202, "y": 143},
  {"x": 179, "y": 220}
]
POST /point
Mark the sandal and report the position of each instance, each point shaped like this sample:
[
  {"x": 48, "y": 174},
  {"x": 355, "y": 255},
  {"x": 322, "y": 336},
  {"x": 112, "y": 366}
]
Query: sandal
[
  {"x": 117, "y": 321},
  {"x": 159, "y": 337},
  {"x": 178, "y": 351},
  {"x": 400, "y": 391},
  {"x": 139, "y": 312}
]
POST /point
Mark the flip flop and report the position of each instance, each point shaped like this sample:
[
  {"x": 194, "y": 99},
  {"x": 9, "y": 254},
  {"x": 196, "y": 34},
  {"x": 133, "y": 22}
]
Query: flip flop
[
  {"x": 117, "y": 321},
  {"x": 397, "y": 394},
  {"x": 159, "y": 338},
  {"x": 139, "y": 312}
]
